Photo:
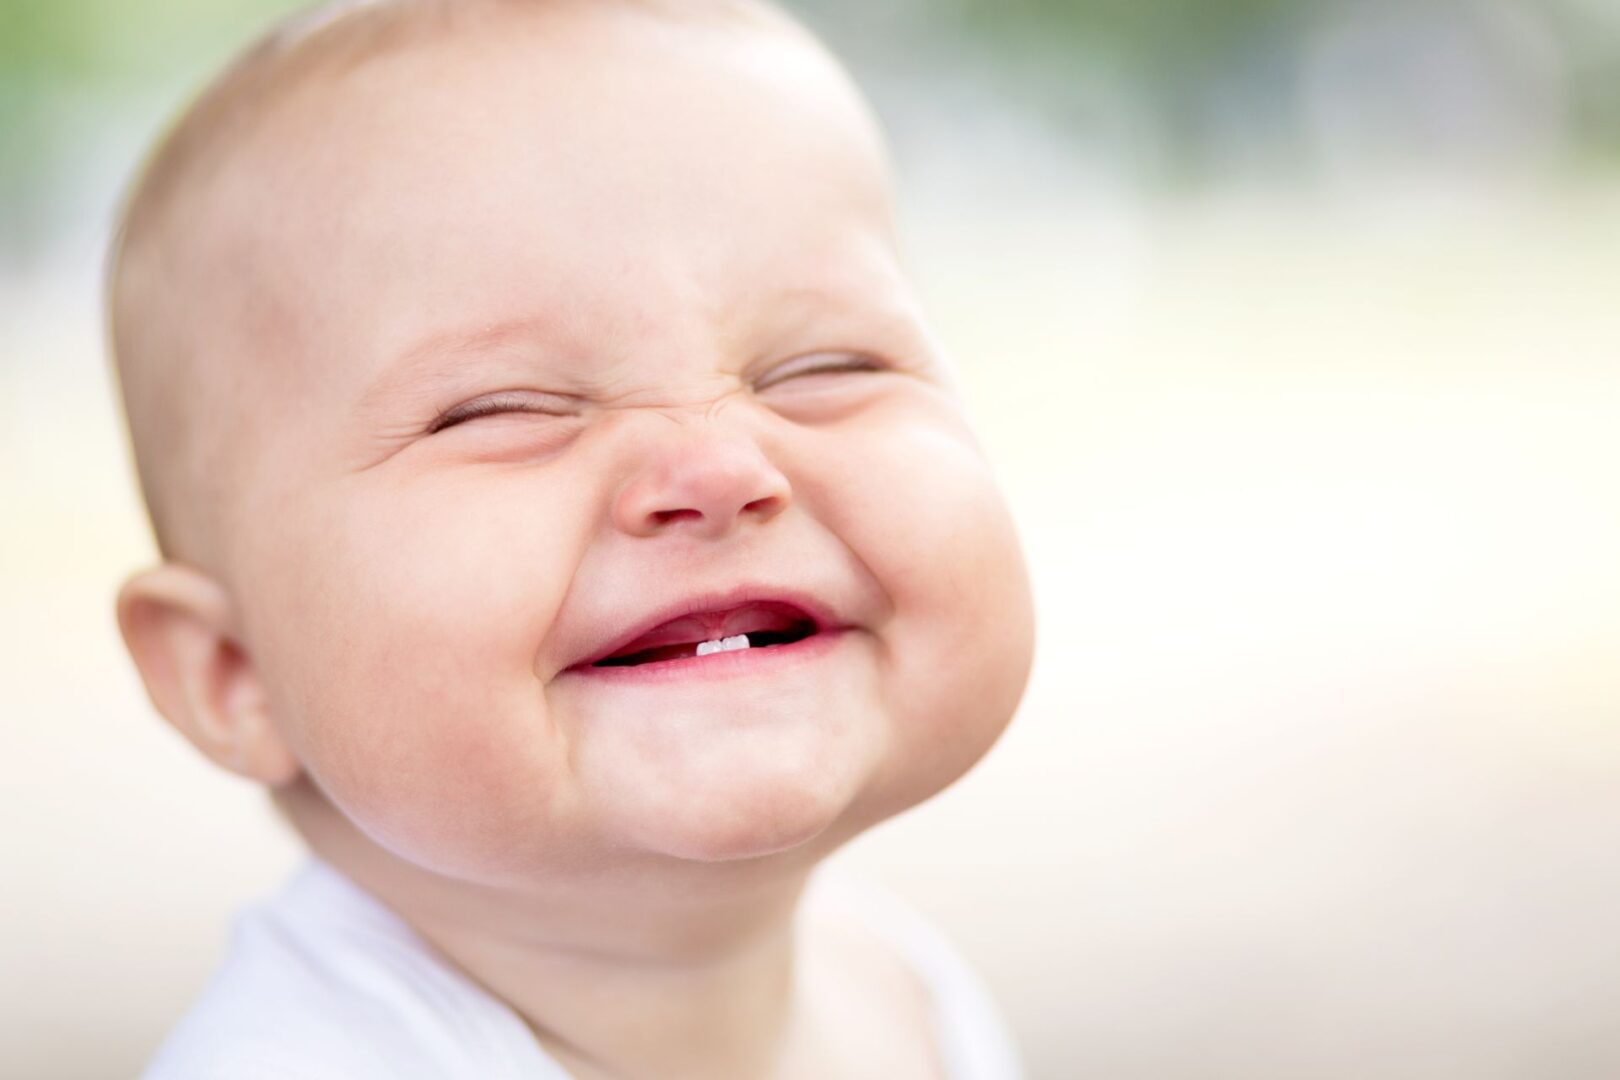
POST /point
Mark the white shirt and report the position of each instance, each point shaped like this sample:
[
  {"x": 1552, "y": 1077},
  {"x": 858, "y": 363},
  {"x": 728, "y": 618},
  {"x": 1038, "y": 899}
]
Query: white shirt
[{"x": 321, "y": 982}]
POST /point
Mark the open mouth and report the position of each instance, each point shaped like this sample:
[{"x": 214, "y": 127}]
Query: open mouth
[
  {"x": 749, "y": 626},
  {"x": 759, "y": 639}
]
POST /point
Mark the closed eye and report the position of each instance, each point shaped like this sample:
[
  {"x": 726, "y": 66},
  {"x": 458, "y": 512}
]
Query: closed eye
[
  {"x": 496, "y": 404},
  {"x": 820, "y": 364}
]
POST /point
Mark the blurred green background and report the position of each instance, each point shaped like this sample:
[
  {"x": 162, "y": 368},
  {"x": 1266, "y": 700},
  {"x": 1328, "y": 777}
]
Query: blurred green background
[
  {"x": 1292, "y": 330},
  {"x": 1171, "y": 91}
]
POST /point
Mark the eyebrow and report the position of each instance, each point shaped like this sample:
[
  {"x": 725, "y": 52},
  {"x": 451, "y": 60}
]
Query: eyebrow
[
  {"x": 433, "y": 361},
  {"x": 436, "y": 362}
]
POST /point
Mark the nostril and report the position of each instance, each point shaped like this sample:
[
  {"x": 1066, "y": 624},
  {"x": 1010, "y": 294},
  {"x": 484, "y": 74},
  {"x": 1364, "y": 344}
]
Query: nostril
[
  {"x": 663, "y": 517},
  {"x": 769, "y": 503}
]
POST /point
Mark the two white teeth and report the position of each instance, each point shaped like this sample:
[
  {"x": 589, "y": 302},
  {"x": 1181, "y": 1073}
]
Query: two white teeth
[{"x": 729, "y": 644}]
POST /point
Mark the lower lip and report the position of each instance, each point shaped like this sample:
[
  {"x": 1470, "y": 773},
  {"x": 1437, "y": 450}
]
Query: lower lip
[{"x": 719, "y": 666}]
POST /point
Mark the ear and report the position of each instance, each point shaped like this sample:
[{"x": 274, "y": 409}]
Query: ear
[{"x": 178, "y": 624}]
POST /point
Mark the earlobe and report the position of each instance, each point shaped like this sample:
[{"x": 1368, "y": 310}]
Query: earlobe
[{"x": 178, "y": 625}]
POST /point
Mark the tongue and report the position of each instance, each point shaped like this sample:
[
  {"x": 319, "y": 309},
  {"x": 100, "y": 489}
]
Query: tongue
[{"x": 712, "y": 625}]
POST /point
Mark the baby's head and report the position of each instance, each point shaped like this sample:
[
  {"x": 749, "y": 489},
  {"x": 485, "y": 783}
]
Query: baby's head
[{"x": 481, "y": 358}]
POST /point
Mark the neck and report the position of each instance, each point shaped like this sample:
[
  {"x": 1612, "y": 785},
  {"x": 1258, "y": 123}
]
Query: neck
[{"x": 684, "y": 972}]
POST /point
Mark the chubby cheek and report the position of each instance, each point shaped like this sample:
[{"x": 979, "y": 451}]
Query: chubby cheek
[
  {"x": 929, "y": 521},
  {"x": 404, "y": 644}
]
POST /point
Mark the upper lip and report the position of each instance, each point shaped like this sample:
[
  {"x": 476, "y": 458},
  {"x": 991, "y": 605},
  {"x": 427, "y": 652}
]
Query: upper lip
[{"x": 719, "y": 601}]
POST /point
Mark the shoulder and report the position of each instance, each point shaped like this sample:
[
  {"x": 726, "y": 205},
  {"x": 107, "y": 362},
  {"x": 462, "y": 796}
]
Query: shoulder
[
  {"x": 320, "y": 981},
  {"x": 975, "y": 1039}
]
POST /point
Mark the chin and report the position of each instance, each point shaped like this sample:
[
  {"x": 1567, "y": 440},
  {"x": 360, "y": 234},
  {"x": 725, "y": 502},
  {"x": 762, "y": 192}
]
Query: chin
[
  {"x": 707, "y": 790},
  {"x": 740, "y": 840},
  {"x": 735, "y": 814}
]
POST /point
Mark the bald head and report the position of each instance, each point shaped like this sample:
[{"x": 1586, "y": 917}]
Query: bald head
[{"x": 193, "y": 298}]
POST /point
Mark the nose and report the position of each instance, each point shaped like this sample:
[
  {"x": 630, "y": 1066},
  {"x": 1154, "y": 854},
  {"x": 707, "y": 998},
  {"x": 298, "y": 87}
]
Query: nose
[{"x": 706, "y": 485}]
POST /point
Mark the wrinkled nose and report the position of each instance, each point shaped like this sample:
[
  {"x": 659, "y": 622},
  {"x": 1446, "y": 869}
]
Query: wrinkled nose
[{"x": 705, "y": 486}]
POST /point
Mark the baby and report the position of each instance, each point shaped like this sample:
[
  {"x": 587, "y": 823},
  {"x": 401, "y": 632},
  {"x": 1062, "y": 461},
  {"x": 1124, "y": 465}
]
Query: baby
[{"x": 566, "y": 514}]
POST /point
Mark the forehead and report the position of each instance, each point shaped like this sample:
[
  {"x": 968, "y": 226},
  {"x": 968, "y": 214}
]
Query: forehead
[{"x": 611, "y": 174}]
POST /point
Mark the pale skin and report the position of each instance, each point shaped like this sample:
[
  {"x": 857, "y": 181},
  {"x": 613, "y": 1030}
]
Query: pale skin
[{"x": 658, "y": 248}]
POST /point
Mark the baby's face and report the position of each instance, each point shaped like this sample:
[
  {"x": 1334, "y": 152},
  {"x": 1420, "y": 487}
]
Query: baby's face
[{"x": 557, "y": 338}]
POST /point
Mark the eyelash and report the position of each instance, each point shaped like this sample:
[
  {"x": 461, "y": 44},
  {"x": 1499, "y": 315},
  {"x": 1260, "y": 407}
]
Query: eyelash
[
  {"x": 495, "y": 406},
  {"x": 491, "y": 406},
  {"x": 852, "y": 362}
]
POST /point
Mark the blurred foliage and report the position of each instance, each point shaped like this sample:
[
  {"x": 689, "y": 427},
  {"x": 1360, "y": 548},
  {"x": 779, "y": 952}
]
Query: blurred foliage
[
  {"x": 51, "y": 43},
  {"x": 74, "y": 71},
  {"x": 1186, "y": 58},
  {"x": 1158, "y": 30}
]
